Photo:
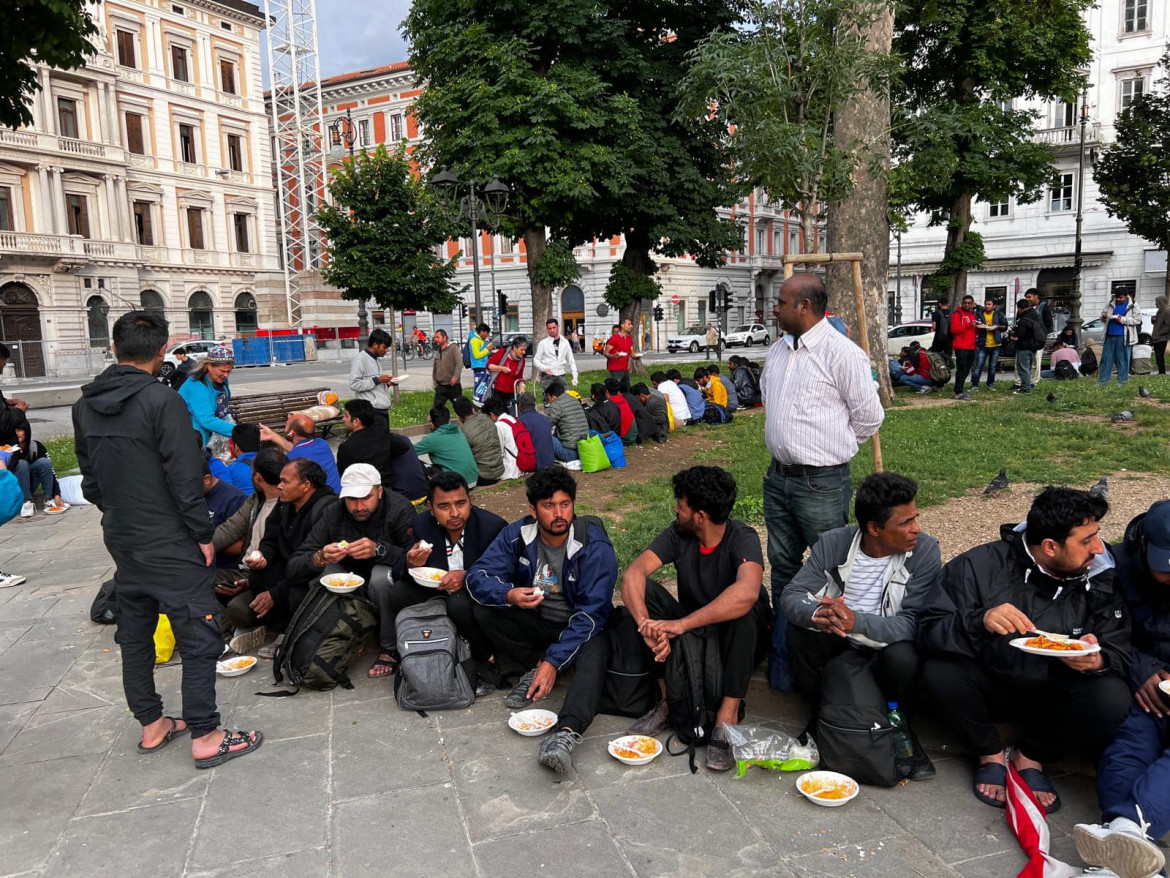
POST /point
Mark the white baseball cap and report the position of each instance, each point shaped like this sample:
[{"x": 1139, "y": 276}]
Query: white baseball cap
[{"x": 359, "y": 479}]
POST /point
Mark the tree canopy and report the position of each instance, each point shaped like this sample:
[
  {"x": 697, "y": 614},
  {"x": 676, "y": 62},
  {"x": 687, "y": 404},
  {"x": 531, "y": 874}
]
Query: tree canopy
[
  {"x": 53, "y": 32},
  {"x": 383, "y": 231}
]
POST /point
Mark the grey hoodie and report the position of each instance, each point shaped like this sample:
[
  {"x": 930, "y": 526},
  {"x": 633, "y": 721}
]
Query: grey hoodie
[{"x": 141, "y": 461}]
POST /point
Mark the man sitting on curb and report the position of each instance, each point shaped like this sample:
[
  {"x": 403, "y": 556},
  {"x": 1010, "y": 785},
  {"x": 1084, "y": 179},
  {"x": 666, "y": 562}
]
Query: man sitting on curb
[
  {"x": 366, "y": 533},
  {"x": 483, "y": 439},
  {"x": 447, "y": 447},
  {"x": 544, "y": 592},
  {"x": 1133, "y": 776},
  {"x": 568, "y": 420},
  {"x": 720, "y": 568},
  {"x": 300, "y": 440},
  {"x": 859, "y": 594},
  {"x": 1050, "y": 573},
  {"x": 458, "y": 532}
]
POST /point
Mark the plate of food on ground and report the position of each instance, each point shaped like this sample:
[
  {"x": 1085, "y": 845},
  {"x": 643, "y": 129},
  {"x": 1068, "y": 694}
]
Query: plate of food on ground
[
  {"x": 342, "y": 583},
  {"x": 635, "y": 749},
  {"x": 235, "y": 667},
  {"x": 1059, "y": 645},
  {"x": 532, "y": 722},
  {"x": 829, "y": 789},
  {"x": 428, "y": 576}
]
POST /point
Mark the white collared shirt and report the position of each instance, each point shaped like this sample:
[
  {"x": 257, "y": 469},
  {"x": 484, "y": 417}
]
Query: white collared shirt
[
  {"x": 555, "y": 358},
  {"x": 820, "y": 399}
]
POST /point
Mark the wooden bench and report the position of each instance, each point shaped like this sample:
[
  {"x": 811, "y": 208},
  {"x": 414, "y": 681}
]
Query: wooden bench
[{"x": 273, "y": 409}]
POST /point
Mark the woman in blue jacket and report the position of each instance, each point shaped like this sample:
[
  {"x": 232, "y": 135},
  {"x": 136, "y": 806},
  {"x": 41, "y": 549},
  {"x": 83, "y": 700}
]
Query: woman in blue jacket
[{"x": 208, "y": 395}]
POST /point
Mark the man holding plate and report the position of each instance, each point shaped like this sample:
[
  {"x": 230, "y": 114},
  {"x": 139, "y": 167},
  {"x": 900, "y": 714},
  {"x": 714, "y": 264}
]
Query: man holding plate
[{"x": 1050, "y": 576}]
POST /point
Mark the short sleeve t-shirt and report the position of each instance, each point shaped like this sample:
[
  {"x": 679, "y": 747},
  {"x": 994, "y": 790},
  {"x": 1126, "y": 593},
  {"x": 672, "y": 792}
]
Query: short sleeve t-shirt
[
  {"x": 703, "y": 576},
  {"x": 550, "y": 562},
  {"x": 622, "y": 346},
  {"x": 506, "y": 381}
]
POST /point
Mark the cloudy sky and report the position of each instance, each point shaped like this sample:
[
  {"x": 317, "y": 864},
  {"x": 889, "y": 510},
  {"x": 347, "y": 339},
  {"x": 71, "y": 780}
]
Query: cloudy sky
[{"x": 354, "y": 34}]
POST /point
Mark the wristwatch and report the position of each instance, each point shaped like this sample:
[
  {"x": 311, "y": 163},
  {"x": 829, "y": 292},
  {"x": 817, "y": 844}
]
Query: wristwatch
[{"x": 381, "y": 550}]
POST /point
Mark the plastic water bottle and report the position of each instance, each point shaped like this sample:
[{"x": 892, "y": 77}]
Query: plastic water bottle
[{"x": 903, "y": 743}]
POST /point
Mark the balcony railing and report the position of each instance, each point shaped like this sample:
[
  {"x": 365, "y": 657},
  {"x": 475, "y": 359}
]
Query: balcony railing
[
  {"x": 18, "y": 138},
  {"x": 73, "y": 247},
  {"x": 1069, "y": 136},
  {"x": 63, "y": 147},
  {"x": 81, "y": 147}
]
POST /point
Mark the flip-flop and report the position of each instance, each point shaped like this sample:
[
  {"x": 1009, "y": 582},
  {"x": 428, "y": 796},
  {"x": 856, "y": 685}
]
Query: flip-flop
[
  {"x": 175, "y": 732},
  {"x": 231, "y": 739},
  {"x": 992, "y": 773},
  {"x": 379, "y": 662},
  {"x": 1038, "y": 782}
]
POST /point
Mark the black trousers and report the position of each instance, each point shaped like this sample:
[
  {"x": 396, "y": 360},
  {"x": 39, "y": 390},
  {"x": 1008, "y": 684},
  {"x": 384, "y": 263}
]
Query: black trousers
[
  {"x": 1160, "y": 356},
  {"x": 174, "y": 581},
  {"x": 382, "y": 418},
  {"x": 622, "y": 376},
  {"x": 895, "y": 666},
  {"x": 964, "y": 361},
  {"x": 460, "y": 608},
  {"x": 1069, "y": 712},
  {"x": 445, "y": 393},
  {"x": 743, "y": 642}
]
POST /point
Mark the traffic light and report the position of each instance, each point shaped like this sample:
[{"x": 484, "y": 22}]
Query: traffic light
[
  {"x": 711, "y": 298},
  {"x": 462, "y": 310},
  {"x": 657, "y": 312},
  {"x": 503, "y": 301}
]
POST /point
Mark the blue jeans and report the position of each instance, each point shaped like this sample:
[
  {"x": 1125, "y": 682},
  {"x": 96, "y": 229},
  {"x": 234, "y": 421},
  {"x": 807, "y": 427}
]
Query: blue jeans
[
  {"x": 914, "y": 380},
  {"x": 1025, "y": 361},
  {"x": 564, "y": 452},
  {"x": 1135, "y": 771},
  {"x": 1115, "y": 352},
  {"x": 990, "y": 356},
  {"x": 798, "y": 509},
  {"x": 29, "y": 475}
]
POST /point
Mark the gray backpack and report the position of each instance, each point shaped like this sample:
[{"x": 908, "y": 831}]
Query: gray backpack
[{"x": 435, "y": 670}]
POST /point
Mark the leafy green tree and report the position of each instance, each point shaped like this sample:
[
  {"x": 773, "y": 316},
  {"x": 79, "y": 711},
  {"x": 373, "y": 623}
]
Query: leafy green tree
[
  {"x": 53, "y": 32},
  {"x": 383, "y": 231},
  {"x": 1133, "y": 172},
  {"x": 956, "y": 136}
]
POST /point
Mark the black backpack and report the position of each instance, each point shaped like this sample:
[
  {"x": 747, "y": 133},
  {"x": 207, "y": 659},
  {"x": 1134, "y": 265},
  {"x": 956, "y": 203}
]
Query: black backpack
[
  {"x": 1065, "y": 371},
  {"x": 694, "y": 688},
  {"x": 104, "y": 609},
  {"x": 467, "y": 355},
  {"x": 436, "y": 671},
  {"x": 714, "y": 413},
  {"x": 322, "y": 639},
  {"x": 1089, "y": 362},
  {"x": 629, "y": 689},
  {"x": 853, "y": 730}
]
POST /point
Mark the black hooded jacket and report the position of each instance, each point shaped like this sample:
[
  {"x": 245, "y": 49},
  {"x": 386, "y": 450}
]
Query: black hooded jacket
[
  {"x": 1148, "y": 604},
  {"x": 1003, "y": 572},
  {"x": 141, "y": 461}
]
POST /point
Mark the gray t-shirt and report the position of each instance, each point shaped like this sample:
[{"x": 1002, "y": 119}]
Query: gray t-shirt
[{"x": 550, "y": 563}]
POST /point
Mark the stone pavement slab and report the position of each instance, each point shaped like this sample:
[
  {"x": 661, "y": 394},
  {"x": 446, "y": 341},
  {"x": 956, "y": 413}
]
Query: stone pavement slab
[{"x": 348, "y": 784}]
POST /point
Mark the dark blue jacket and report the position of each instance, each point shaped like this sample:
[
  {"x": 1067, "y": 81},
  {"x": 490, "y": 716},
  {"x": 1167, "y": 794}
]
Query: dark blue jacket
[
  {"x": 589, "y": 576},
  {"x": 541, "y": 431},
  {"x": 1000, "y": 319},
  {"x": 482, "y": 527},
  {"x": 1148, "y": 604}
]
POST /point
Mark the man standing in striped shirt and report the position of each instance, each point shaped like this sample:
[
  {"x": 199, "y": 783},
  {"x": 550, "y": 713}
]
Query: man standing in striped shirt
[{"x": 821, "y": 404}]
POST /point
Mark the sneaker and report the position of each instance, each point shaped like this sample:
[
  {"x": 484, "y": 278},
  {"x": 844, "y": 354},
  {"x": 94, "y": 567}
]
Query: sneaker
[
  {"x": 962, "y": 396},
  {"x": 28, "y": 510},
  {"x": 518, "y": 698},
  {"x": 1022, "y": 390},
  {"x": 719, "y": 756},
  {"x": 249, "y": 640},
  {"x": 921, "y": 768},
  {"x": 269, "y": 651},
  {"x": 975, "y": 387},
  {"x": 1120, "y": 845},
  {"x": 926, "y": 389},
  {"x": 656, "y": 720},
  {"x": 991, "y": 387},
  {"x": 7, "y": 580},
  {"x": 556, "y": 751}
]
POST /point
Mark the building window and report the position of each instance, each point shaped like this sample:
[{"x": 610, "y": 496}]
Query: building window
[
  {"x": 1131, "y": 90},
  {"x": 1064, "y": 115},
  {"x": 179, "y": 64},
  {"x": 67, "y": 117},
  {"x": 200, "y": 314},
  {"x": 240, "y": 227},
  {"x": 246, "y": 313},
  {"x": 77, "y": 213},
  {"x": 142, "y": 223},
  {"x": 98, "y": 316},
  {"x": 396, "y": 127},
  {"x": 235, "y": 151},
  {"x": 363, "y": 130},
  {"x": 1060, "y": 196},
  {"x": 6, "y": 221},
  {"x": 227, "y": 77},
  {"x": 1136, "y": 19},
  {"x": 134, "y": 141},
  {"x": 126, "y": 54},
  {"x": 187, "y": 144},
  {"x": 152, "y": 303},
  {"x": 506, "y": 245},
  {"x": 999, "y": 209},
  {"x": 195, "y": 228}
]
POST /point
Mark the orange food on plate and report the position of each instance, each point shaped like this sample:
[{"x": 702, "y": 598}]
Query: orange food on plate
[
  {"x": 1043, "y": 642},
  {"x": 628, "y": 754},
  {"x": 827, "y": 789}
]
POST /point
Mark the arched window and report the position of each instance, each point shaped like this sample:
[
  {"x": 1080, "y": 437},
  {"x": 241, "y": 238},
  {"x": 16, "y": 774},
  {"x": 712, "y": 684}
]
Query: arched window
[
  {"x": 98, "y": 314},
  {"x": 200, "y": 309},
  {"x": 152, "y": 303},
  {"x": 246, "y": 317}
]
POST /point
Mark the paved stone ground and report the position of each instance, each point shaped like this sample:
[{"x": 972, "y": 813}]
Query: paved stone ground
[{"x": 347, "y": 784}]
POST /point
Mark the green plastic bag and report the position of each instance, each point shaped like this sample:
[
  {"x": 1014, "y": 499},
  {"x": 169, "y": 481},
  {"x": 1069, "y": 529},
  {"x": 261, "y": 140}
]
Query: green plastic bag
[{"x": 592, "y": 454}]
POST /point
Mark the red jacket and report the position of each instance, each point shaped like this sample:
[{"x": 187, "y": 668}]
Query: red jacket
[
  {"x": 963, "y": 330},
  {"x": 626, "y": 412}
]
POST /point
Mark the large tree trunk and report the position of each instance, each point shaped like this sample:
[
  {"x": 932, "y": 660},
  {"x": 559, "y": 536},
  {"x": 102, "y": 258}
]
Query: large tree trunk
[
  {"x": 535, "y": 245},
  {"x": 860, "y": 223},
  {"x": 636, "y": 257},
  {"x": 957, "y": 229}
]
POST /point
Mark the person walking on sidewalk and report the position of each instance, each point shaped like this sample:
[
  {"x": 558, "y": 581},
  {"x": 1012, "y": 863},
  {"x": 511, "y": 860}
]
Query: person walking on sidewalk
[
  {"x": 554, "y": 359},
  {"x": 446, "y": 371},
  {"x": 158, "y": 531}
]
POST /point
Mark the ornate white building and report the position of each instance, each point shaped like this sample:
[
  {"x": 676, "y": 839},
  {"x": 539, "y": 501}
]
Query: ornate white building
[
  {"x": 144, "y": 182},
  {"x": 1032, "y": 245}
]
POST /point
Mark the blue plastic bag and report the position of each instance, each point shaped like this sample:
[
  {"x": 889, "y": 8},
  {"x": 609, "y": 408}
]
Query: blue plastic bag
[{"x": 613, "y": 448}]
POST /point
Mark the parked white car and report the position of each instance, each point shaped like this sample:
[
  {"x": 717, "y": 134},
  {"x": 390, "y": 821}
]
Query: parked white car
[
  {"x": 748, "y": 334},
  {"x": 693, "y": 339},
  {"x": 901, "y": 335},
  {"x": 197, "y": 350}
]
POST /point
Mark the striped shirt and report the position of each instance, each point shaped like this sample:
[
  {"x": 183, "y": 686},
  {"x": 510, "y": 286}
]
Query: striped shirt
[
  {"x": 820, "y": 398},
  {"x": 863, "y": 591}
]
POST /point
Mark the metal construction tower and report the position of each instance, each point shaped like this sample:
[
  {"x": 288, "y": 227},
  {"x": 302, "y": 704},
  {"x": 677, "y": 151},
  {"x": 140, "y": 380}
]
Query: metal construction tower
[{"x": 298, "y": 134}]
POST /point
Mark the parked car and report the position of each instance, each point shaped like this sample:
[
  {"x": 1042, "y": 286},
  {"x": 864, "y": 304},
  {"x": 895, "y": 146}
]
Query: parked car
[
  {"x": 748, "y": 334},
  {"x": 693, "y": 339},
  {"x": 900, "y": 336},
  {"x": 197, "y": 350}
]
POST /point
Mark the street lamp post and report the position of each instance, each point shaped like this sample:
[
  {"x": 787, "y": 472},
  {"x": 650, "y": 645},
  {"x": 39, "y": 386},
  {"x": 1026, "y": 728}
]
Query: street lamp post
[
  {"x": 1074, "y": 311},
  {"x": 343, "y": 138},
  {"x": 481, "y": 202}
]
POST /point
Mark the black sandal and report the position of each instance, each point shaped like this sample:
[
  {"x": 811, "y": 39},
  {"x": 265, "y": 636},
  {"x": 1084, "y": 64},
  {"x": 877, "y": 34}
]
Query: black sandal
[
  {"x": 175, "y": 732},
  {"x": 379, "y": 662},
  {"x": 232, "y": 739},
  {"x": 992, "y": 774}
]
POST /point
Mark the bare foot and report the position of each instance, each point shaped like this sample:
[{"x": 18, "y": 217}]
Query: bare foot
[
  {"x": 383, "y": 666},
  {"x": 153, "y": 734},
  {"x": 993, "y": 790},
  {"x": 208, "y": 745},
  {"x": 1020, "y": 761}
]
